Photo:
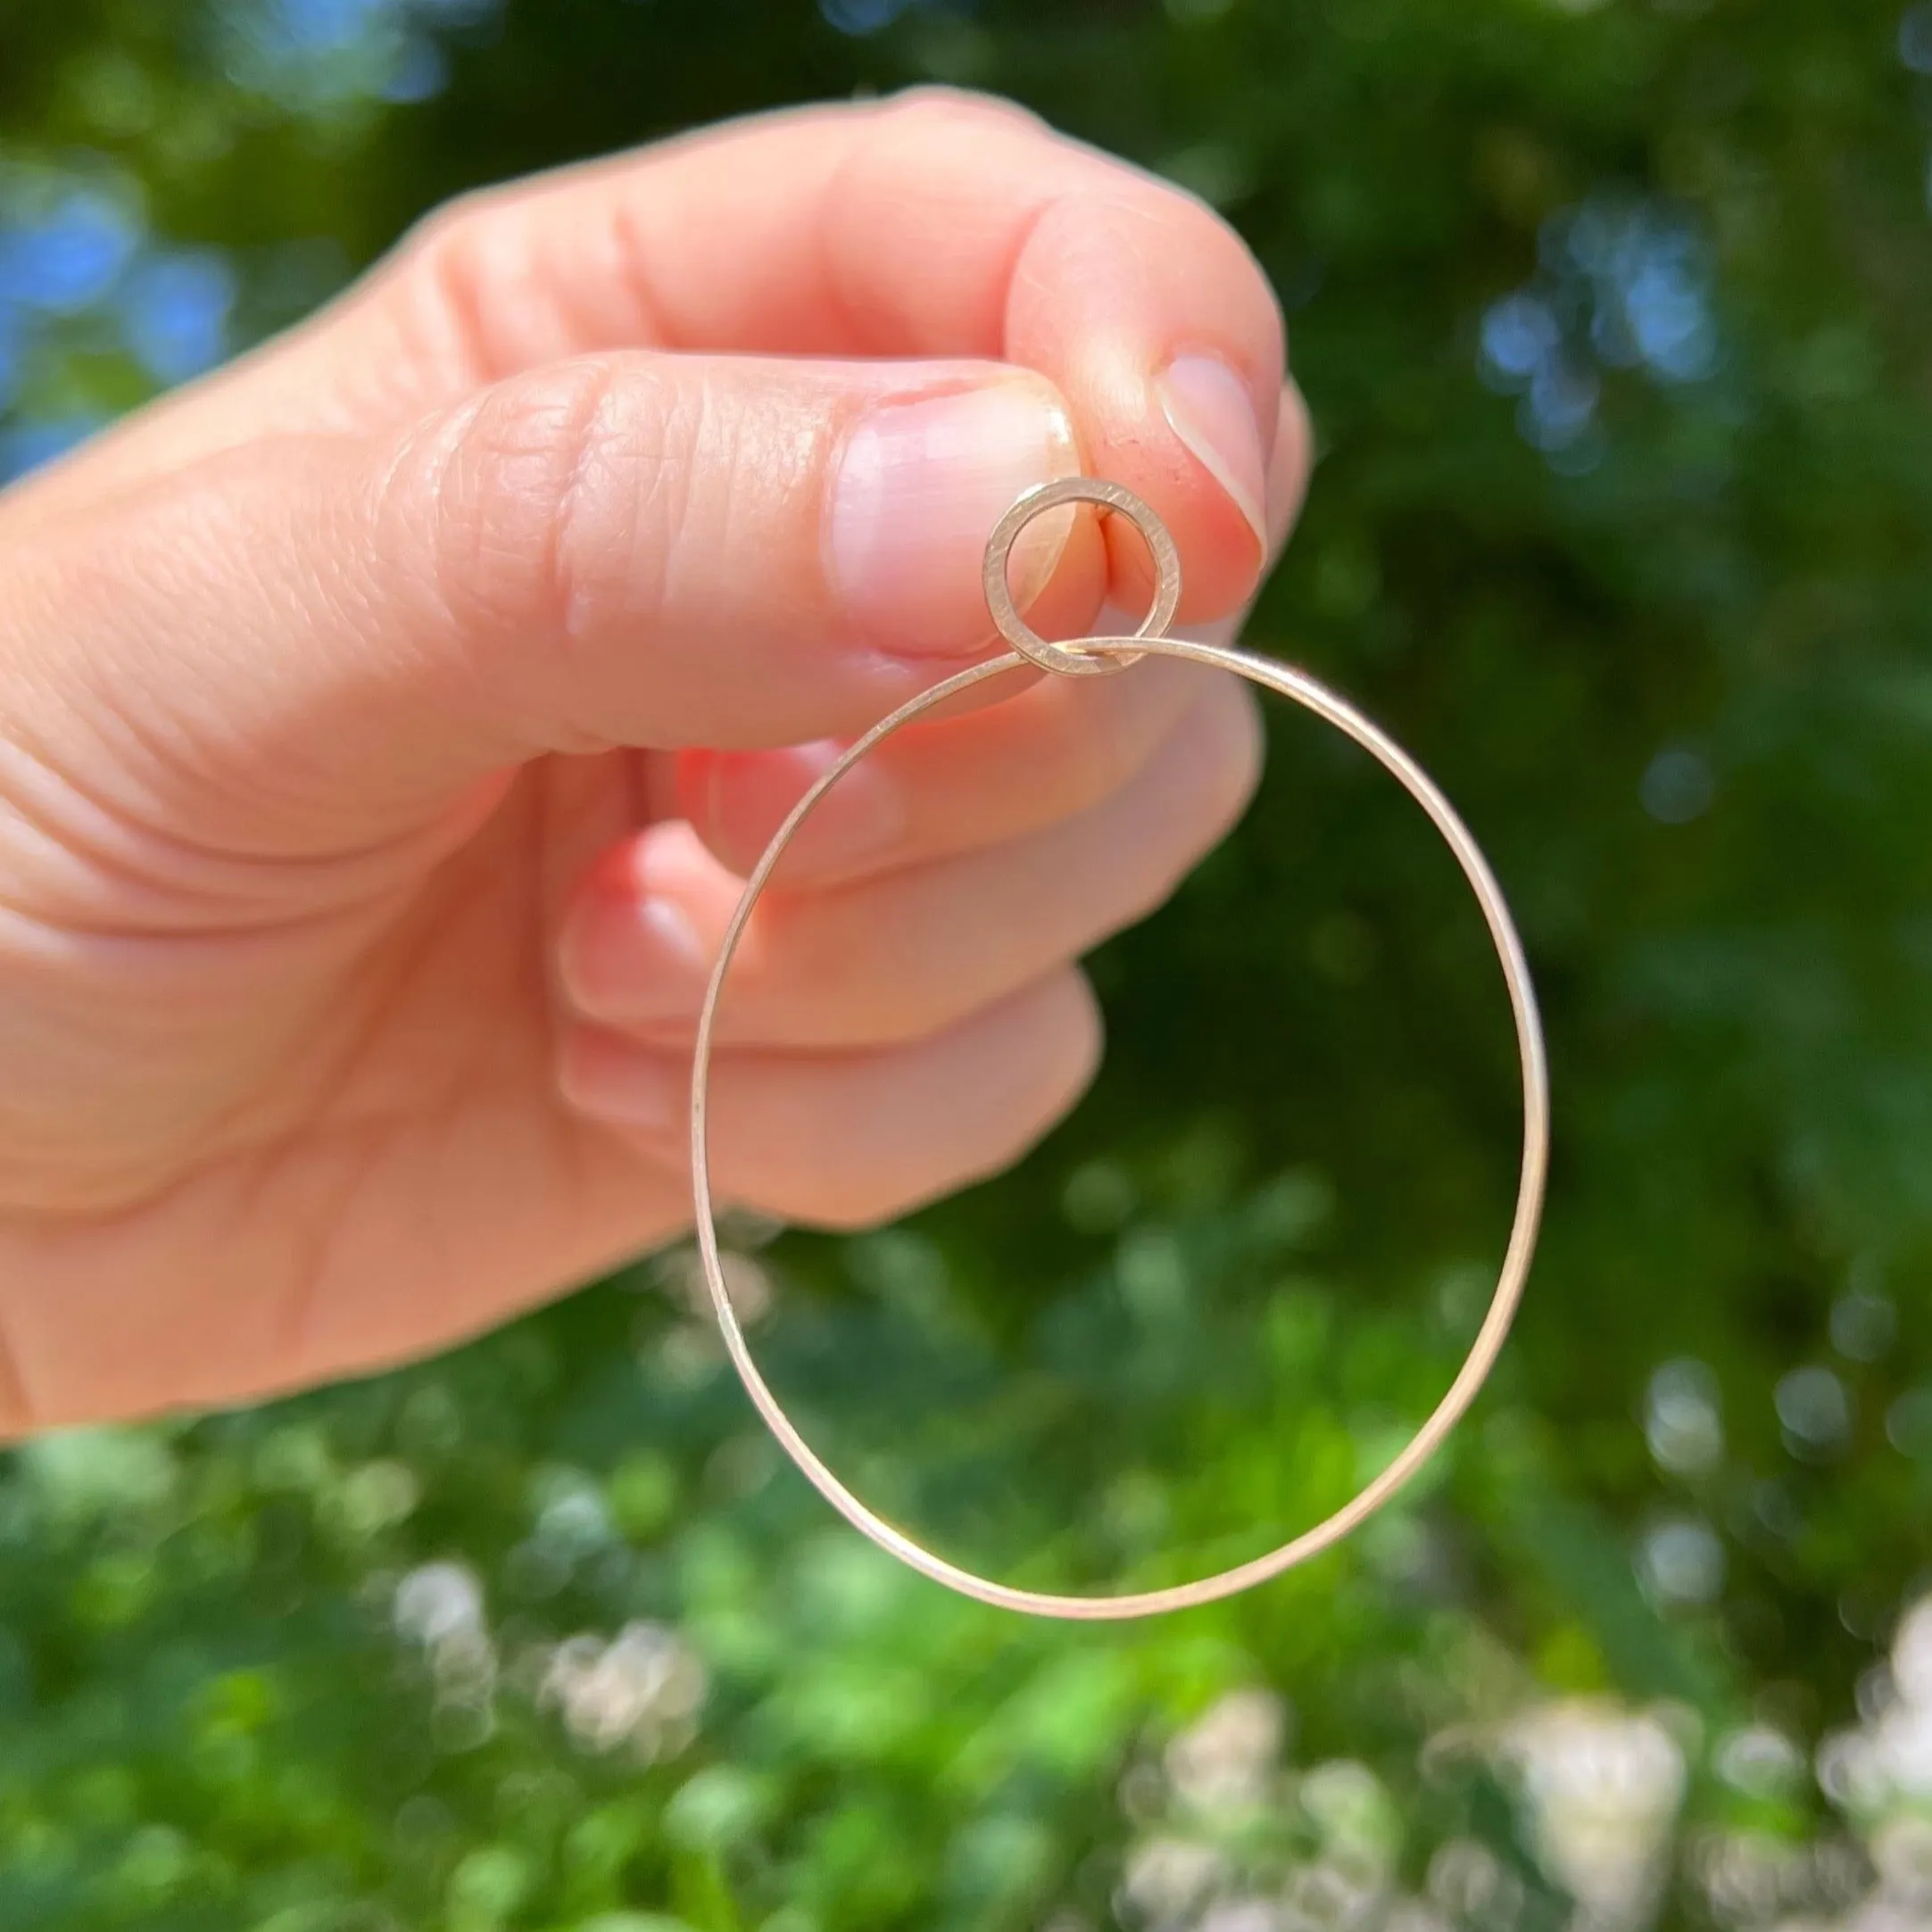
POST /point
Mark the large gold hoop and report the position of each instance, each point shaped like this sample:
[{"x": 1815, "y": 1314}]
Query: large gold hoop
[{"x": 1084, "y": 657}]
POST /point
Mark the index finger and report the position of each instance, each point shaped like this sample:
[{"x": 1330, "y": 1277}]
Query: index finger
[{"x": 935, "y": 224}]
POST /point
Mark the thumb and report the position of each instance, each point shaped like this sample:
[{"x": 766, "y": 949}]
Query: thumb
[{"x": 298, "y": 644}]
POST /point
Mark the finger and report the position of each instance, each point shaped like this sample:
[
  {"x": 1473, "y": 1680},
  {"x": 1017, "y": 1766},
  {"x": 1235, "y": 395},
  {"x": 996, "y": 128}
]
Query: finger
[
  {"x": 1047, "y": 752},
  {"x": 901, "y": 955},
  {"x": 932, "y": 224},
  {"x": 851, "y": 1139},
  {"x": 637, "y": 550},
  {"x": 1054, "y": 750},
  {"x": 1291, "y": 464}
]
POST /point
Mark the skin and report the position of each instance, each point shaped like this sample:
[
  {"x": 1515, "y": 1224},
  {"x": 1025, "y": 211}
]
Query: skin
[{"x": 388, "y": 720}]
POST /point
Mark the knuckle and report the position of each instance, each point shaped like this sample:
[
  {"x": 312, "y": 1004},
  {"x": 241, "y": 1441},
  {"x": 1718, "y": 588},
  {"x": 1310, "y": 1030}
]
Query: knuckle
[
  {"x": 1084, "y": 752},
  {"x": 542, "y": 492},
  {"x": 20, "y": 1415},
  {"x": 451, "y": 226},
  {"x": 1036, "y": 1056},
  {"x": 857, "y": 1210},
  {"x": 440, "y": 273},
  {"x": 1102, "y": 737},
  {"x": 459, "y": 251},
  {"x": 851, "y": 980},
  {"x": 1053, "y": 1050},
  {"x": 846, "y": 1195},
  {"x": 440, "y": 247},
  {"x": 1077, "y": 1035},
  {"x": 932, "y": 102},
  {"x": 498, "y": 475},
  {"x": 626, "y": 469}
]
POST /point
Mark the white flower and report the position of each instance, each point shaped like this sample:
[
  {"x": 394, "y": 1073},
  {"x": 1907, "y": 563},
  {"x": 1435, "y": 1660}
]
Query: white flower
[
  {"x": 1602, "y": 1787},
  {"x": 1468, "y": 1881},
  {"x": 1912, "y": 1653},
  {"x": 1168, "y": 1880},
  {"x": 1901, "y": 1850},
  {"x": 438, "y": 1601},
  {"x": 1222, "y": 1761},
  {"x": 643, "y": 1688},
  {"x": 1361, "y": 1829},
  {"x": 439, "y": 1606},
  {"x": 1242, "y": 1915},
  {"x": 1760, "y": 1761},
  {"x": 1332, "y": 1895}
]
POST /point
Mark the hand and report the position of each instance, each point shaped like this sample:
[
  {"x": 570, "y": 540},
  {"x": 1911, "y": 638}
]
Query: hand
[{"x": 384, "y": 724}]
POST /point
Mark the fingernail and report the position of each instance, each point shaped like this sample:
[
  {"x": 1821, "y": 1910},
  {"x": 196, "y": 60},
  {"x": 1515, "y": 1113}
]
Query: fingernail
[
  {"x": 918, "y": 491},
  {"x": 1211, "y": 410},
  {"x": 632, "y": 959},
  {"x": 627, "y": 1086}
]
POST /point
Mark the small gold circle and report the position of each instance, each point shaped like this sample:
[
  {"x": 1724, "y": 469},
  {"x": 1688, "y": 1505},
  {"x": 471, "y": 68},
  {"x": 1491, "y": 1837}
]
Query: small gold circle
[
  {"x": 1073, "y": 660},
  {"x": 1301, "y": 689}
]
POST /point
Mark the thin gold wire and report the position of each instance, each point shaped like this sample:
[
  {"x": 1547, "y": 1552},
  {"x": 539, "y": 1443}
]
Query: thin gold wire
[{"x": 1084, "y": 657}]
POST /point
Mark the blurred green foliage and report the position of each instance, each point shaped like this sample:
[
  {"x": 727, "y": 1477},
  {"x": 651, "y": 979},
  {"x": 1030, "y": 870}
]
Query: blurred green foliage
[{"x": 1612, "y": 318}]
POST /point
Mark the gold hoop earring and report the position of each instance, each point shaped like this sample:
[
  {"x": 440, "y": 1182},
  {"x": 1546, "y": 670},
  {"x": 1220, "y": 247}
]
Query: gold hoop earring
[{"x": 1089, "y": 657}]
